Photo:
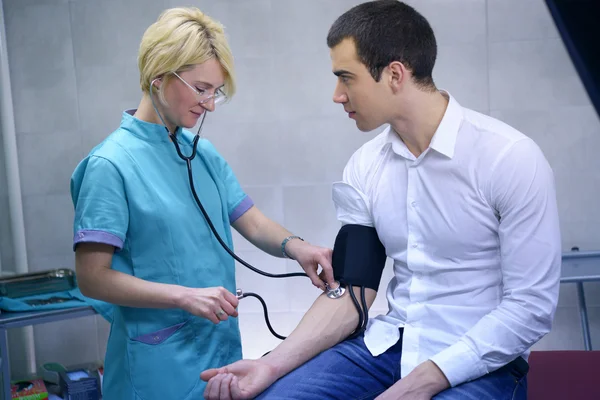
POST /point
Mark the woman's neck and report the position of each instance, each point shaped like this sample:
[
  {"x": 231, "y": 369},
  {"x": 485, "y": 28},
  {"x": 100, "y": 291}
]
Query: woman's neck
[{"x": 147, "y": 113}]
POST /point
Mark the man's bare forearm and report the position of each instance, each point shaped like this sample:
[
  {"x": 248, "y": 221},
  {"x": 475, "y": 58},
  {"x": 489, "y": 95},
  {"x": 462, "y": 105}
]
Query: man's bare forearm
[{"x": 327, "y": 322}]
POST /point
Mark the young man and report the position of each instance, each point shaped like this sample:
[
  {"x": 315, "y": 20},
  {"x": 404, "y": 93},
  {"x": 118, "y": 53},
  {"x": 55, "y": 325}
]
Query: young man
[{"x": 465, "y": 206}]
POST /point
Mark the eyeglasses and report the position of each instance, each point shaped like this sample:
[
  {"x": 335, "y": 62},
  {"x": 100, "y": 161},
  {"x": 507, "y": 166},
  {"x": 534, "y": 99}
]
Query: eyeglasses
[{"x": 204, "y": 96}]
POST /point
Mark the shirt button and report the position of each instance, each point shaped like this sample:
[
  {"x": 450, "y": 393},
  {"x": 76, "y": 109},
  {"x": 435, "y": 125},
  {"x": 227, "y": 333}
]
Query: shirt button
[
  {"x": 81, "y": 235},
  {"x": 414, "y": 203},
  {"x": 414, "y": 245}
]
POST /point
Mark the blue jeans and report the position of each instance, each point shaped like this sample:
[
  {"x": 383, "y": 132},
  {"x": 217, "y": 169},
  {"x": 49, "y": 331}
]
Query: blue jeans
[{"x": 348, "y": 371}]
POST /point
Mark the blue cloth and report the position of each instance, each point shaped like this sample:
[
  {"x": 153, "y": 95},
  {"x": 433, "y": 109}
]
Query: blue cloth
[
  {"x": 349, "y": 371},
  {"x": 76, "y": 299},
  {"x": 132, "y": 192}
]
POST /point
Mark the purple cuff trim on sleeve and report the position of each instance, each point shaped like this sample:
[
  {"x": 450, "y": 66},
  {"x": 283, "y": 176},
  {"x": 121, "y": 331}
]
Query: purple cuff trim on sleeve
[
  {"x": 240, "y": 209},
  {"x": 94, "y": 236},
  {"x": 159, "y": 336}
]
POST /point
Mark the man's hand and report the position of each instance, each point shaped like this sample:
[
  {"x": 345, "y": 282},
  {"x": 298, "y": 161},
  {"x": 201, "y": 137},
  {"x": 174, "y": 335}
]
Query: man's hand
[
  {"x": 241, "y": 380},
  {"x": 422, "y": 383},
  {"x": 310, "y": 257}
]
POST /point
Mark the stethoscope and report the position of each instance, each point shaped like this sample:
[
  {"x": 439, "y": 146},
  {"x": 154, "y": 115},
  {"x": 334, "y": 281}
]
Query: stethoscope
[{"x": 333, "y": 293}]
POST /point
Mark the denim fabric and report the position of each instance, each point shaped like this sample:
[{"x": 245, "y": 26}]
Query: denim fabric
[{"x": 348, "y": 371}]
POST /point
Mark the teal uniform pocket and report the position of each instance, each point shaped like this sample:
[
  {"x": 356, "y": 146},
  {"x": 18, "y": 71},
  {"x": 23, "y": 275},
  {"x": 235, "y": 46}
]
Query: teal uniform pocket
[{"x": 164, "y": 363}]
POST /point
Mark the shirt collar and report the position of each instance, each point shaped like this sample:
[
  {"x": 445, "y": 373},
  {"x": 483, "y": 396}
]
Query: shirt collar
[
  {"x": 145, "y": 130},
  {"x": 397, "y": 144},
  {"x": 444, "y": 138}
]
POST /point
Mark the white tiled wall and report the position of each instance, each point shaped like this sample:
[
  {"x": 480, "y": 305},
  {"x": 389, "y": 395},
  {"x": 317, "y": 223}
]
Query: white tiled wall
[{"x": 73, "y": 70}]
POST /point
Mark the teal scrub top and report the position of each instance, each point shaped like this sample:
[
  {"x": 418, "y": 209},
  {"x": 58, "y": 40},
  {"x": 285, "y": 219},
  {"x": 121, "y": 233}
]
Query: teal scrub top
[{"x": 132, "y": 192}]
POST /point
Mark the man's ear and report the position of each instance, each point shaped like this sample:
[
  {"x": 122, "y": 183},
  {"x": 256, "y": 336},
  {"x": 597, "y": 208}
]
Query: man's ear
[{"x": 397, "y": 75}]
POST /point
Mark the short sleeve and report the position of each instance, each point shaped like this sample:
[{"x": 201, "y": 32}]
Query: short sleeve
[
  {"x": 100, "y": 202},
  {"x": 238, "y": 202}
]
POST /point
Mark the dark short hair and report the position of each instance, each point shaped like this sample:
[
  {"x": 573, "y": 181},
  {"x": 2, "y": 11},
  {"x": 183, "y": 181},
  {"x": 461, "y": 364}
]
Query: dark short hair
[{"x": 385, "y": 31}]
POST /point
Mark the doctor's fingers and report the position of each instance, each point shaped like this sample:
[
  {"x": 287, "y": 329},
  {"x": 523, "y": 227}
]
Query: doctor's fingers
[
  {"x": 314, "y": 278},
  {"x": 224, "y": 310},
  {"x": 219, "y": 295},
  {"x": 324, "y": 261},
  {"x": 231, "y": 298},
  {"x": 211, "y": 303},
  {"x": 229, "y": 309}
]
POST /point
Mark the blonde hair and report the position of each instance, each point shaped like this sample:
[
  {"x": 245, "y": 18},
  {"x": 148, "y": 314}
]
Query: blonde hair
[{"x": 179, "y": 39}]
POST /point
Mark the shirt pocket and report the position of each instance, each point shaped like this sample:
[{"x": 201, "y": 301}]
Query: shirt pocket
[{"x": 164, "y": 364}]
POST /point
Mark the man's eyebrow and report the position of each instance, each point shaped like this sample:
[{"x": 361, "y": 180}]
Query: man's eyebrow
[{"x": 341, "y": 72}]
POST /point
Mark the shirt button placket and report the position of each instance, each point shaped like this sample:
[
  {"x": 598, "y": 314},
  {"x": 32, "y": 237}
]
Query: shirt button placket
[{"x": 411, "y": 208}]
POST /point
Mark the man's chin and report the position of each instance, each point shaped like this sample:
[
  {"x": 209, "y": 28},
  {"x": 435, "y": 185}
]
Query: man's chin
[{"x": 365, "y": 127}]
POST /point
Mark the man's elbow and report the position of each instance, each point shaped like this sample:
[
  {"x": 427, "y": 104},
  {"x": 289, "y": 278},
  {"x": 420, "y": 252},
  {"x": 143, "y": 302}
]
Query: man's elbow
[
  {"x": 547, "y": 302},
  {"x": 535, "y": 310}
]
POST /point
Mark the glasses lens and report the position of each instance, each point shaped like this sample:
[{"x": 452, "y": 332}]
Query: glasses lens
[{"x": 220, "y": 98}]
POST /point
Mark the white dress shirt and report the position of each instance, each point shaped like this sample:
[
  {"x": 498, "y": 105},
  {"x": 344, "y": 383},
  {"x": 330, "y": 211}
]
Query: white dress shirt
[{"x": 472, "y": 227}]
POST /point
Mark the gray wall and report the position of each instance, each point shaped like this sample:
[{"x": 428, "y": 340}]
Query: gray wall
[
  {"x": 6, "y": 251},
  {"x": 73, "y": 71}
]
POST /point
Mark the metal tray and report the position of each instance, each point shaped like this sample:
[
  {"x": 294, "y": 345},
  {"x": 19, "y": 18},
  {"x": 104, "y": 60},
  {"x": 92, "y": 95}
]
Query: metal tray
[{"x": 37, "y": 283}]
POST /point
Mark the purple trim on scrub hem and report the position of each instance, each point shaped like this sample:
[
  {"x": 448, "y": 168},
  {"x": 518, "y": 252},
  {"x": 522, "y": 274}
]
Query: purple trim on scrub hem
[
  {"x": 94, "y": 236},
  {"x": 240, "y": 209},
  {"x": 159, "y": 336}
]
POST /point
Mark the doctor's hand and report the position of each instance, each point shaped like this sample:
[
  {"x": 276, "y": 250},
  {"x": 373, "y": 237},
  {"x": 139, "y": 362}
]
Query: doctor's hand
[
  {"x": 215, "y": 304},
  {"x": 310, "y": 257},
  {"x": 241, "y": 380}
]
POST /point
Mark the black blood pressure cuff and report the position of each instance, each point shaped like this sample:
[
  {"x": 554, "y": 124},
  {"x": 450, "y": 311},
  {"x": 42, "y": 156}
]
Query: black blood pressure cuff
[{"x": 358, "y": 256}]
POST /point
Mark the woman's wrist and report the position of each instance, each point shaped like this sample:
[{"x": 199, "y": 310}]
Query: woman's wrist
[
  {"x": 179, "y": 296},
  {"x": 289, "y": 244}
]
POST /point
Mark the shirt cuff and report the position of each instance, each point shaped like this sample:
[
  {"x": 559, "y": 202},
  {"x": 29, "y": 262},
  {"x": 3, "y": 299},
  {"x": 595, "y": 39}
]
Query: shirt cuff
[
  {"x": 240, "y": 209},
  {"x": 95, "y": 236},
  {"x": 459, "y": 363}
]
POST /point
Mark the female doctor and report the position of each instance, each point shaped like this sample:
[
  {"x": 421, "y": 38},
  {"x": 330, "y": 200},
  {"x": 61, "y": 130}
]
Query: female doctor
[{"x": 141, "y": 241}]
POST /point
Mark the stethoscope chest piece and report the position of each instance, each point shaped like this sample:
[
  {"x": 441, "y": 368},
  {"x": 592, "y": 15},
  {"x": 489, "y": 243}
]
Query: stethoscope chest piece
[{"x": 335, "y": 293}]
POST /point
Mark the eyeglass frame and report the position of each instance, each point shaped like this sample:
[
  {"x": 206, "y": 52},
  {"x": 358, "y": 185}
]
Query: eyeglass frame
[{"x": 218, "y": 96}]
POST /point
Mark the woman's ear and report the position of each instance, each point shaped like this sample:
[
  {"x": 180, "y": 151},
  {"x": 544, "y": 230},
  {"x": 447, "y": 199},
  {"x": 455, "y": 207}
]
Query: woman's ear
[{"x": 156, "y": 83}]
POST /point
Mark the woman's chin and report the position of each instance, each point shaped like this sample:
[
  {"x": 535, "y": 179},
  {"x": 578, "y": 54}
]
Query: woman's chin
[
  {"x": 191, "y": 120},
  {"x": 189, "y": 123}
]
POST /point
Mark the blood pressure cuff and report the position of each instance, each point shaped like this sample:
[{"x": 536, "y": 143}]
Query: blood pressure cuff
[{"x": 358, "y": 256}]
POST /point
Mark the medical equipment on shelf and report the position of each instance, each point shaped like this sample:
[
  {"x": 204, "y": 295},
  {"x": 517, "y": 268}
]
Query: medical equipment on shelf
[
  {"x": 78, "y": 382},
  {"x": 37, "y": 283}
]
